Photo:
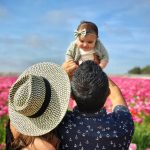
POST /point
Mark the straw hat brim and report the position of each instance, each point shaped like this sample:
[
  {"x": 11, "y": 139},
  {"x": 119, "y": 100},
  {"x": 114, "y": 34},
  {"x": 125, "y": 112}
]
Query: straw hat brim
[{"x": 60, "y": 94}]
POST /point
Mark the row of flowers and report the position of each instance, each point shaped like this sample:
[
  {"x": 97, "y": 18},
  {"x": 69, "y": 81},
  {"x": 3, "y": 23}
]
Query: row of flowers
[
  {"x": 5, "y": 84},
  {"x": 137, "y": 95},
  {"x": 135, "y": 91}
]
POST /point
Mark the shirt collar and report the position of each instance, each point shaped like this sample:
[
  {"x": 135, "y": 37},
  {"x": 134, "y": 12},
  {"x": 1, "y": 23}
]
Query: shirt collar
[{"x": 102, "y": 112}]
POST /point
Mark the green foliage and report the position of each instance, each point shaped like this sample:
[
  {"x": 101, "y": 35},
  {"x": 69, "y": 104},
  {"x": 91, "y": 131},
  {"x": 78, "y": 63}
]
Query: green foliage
[
  {"x": 2, "y": 129},
  {"x": 138, "y": 70},
  {"x": 141, "y": 135},
  {"x": 146, "y": 70},
  {"x": 135, "y": 70}
]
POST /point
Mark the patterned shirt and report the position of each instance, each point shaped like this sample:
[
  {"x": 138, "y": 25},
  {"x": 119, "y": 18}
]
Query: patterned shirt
[{"x": 98, "y": 131}]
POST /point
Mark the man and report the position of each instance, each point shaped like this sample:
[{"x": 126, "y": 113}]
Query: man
[{"x": 88, "y": 126}]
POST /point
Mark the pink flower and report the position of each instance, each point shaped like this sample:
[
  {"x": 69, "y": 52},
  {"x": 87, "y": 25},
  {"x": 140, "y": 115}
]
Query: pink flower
[
  {"x": 132, "y": 146},
  {"x": 5, "y": 109},
  {"x": 2, "y": 146},
  {"x": 1, "y": 113}
]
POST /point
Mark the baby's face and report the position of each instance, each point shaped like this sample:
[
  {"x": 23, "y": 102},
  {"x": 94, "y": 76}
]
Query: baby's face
[{"x": 86, "y": 42}]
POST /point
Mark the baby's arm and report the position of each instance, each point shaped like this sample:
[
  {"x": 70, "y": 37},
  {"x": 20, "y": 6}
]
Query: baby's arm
[
  {"x": 104, "y": 57},
  {"x": 70, "y": 52},
  {"x": 115, "y": 95}
]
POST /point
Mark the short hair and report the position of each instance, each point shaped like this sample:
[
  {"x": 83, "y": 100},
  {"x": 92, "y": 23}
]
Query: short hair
[
  {"x": 89, "y": 87},
  {"x": 90, "y": 26}
]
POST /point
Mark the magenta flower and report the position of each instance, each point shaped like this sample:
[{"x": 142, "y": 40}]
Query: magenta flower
[{"x": 135, "y": 91}]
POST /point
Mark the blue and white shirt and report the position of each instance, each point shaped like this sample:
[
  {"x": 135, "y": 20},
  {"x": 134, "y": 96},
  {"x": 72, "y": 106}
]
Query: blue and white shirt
[{"x": 98, "y": 131}]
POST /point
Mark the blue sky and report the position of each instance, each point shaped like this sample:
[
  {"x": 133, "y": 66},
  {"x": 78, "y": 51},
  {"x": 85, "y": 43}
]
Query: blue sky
[{"x": 34, "y": 31}]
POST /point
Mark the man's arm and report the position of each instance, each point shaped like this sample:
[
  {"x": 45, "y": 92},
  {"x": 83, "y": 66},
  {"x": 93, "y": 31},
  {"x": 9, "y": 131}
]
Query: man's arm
[{"x": 115, "y": 95}]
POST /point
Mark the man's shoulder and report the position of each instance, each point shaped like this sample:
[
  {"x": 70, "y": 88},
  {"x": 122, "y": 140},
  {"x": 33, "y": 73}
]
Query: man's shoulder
[
  {"x": 122, "y": 115},
  {"x": 121, "y": 108}
]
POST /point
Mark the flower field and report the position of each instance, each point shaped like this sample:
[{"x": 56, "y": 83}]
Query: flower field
[
  {"x": 137, "y": 95},
  {"x": 135, "y": 90},
  {"x": 5, "y": 84}
]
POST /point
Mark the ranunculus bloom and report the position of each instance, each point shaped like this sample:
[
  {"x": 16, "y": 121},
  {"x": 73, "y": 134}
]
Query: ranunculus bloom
[{"x": 132, "y": 146}]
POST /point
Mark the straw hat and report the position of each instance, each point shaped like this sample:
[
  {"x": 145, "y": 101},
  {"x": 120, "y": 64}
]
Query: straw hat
[{"x": 38, "y": 100}]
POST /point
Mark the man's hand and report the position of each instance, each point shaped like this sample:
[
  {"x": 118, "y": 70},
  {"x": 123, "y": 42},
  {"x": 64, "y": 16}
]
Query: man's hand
[
  {"x": 103, "y": 63},
  {"x": 69, "y": 66}
]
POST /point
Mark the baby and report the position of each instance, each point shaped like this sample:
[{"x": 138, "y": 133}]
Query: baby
[{"x": 87, "y": 46}]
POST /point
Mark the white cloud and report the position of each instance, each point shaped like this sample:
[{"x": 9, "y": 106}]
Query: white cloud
[
  {"x": 34, "y": 41},
  {"x": 58, "y": 17}
]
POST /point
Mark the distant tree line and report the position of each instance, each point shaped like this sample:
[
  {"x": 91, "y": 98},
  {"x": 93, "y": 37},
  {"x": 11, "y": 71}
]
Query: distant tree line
[{"x": 138, "y": 70}]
